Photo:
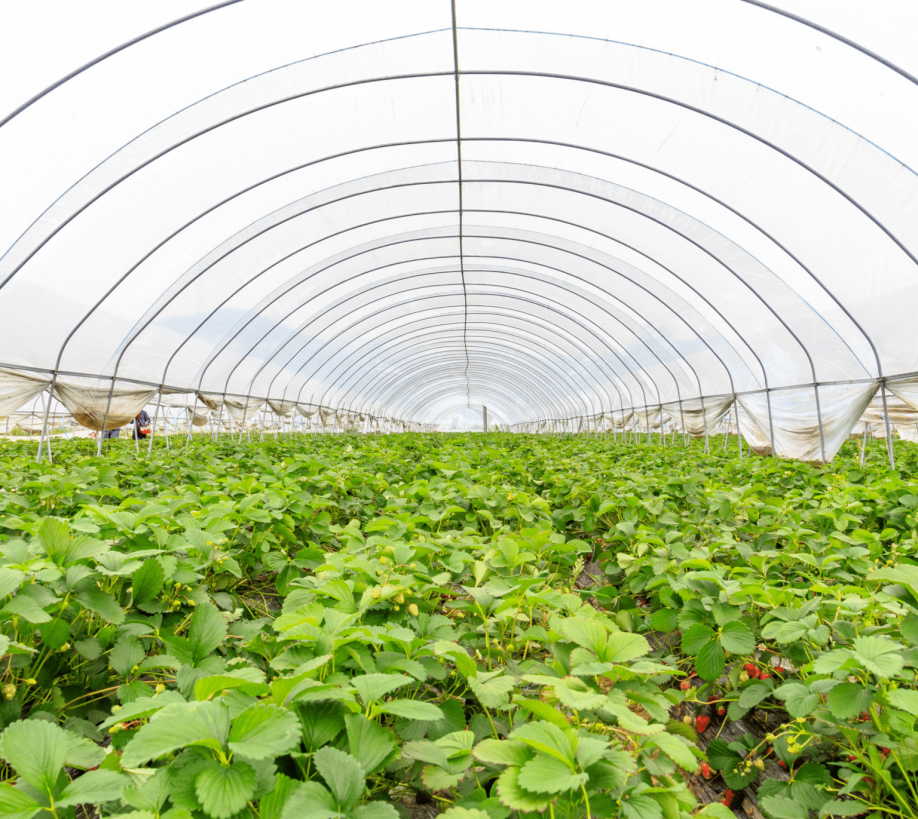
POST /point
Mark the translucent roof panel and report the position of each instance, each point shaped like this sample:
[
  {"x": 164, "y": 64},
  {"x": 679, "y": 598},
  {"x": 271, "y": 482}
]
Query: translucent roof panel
[{"x": 555, "y": 210}]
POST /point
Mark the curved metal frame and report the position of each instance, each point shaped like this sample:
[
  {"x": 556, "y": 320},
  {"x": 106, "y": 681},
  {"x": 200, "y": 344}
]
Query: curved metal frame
[{"x": 458, "y": 73}]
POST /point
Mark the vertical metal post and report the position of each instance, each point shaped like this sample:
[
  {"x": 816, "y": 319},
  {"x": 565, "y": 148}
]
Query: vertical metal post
[
  {"x": 822, "y": 439},
  {"x": 864, "y": 442},
  {"x": 105, "y": 417},
  {"x": 484, "y": 418},
  {"x": 191, "y": 417},
  {"x": 739, "y": 437},
  {"x": 44, "y": 426},
  {"x": 704, "y": 423},
  {"x": 159, "y": 403},
  {"x": 771, "y": 424},
  {"x": 889, "y": 442}
]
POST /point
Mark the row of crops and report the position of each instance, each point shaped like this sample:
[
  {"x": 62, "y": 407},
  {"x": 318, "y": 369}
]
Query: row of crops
[{"x": 492, "y": 626}]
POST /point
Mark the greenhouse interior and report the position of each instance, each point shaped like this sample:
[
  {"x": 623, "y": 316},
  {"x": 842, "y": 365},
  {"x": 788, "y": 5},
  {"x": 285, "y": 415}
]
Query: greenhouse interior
[{"x": 471, "y": 408}]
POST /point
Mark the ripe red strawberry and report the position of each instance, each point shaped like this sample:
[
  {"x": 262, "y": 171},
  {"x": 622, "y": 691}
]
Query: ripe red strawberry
[
  {"x": 750, "y": 667},
  {"x": 851, "y": 758},
  {"x": 721, "y": 711},
  {"x": 706, "y": 771},
  {"x": 884, "y": 751},
  {"x": 782, "y": 764},
  {"x": 685, "y": 685},
  {"x": 779, "y": 669},
  {"x": 728, "y": 798},
  {"x": 702, "y": 723},
  {"x": 755, "y": 673}
]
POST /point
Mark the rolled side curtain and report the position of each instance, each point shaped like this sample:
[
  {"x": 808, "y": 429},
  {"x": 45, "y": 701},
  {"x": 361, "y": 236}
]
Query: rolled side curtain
[
  {"x": 697, "y": 415},
  {"x": 796, "y": 419},
  {"x": 283, "y": 408},
  {"x": 86, "y": 399},
  {"x": 752, "y": 433},
  {"x": 649, "y": 418},
  {"x": 906, "y": 389},
  {"x": 307, "y": 410},
  {"x": 242, "y": 409},
  {"x": 18, "y": 387}
]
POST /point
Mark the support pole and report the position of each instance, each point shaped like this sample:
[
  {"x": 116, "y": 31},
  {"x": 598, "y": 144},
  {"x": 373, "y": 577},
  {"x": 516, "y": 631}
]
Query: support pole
[
  {"x": 44, "y": 426},
  {"x": 771, "y": 425},
  {"x": 822, "y": 439},
  {"x": 108, "y": 406},
  {"x": 864, "y": 442},
  {"x": 159, "y": 403},
  {"x": 889, "y": 442},
  {"x": 191, "y": 417},
  {"x": 704, "y": 423}
]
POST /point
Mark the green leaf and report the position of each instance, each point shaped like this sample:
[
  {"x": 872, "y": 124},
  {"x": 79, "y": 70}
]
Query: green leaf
[
  {"x": 623, "y": 646},
  {"x": 879, "y": 655},
  {"x": 179, "y": 726},
  {"x": 696, "y": 638},
  {"x": 93, "y": 788},
  {"x": 207, "y": 631},
  {"x": 321, "y": 722},
  {"x": 545, "y": 774},
  {"x": 491, "y": 689},
  {"x": 909, "y": 629},
  {"x": 665, "y": 620},
  {"x": 780, "y": 807},
  {"x": 144, "y": 707},
  {"x": 148, "y": 582},
  {"x": 737, "y": 638},
  {"x": 126, "y": 654},
  {"x": 585, "y": 632},
  {"x": 848, "y": 807},
  {"x": 426, "y": 751},
  {"x": 10, "y": 581},
  {"x": 103, "y": 604},
  {"x": 905, "y": 700},
  {"x": 721, "y": 755},
  {"x": 797, "y": 699},
  {"x": 224, "y": 791},
  {"x": 273, "y": 803},
  {"x": 26, "y": 608},
  {"x": 847, "y": 699},
  {"x": 412, "y": 709},
  {"x": 37, "y": 750},
  {"x": 250, "y": 680},
  {"x": 342, "y": 773},
  {"x": 512, "y": 795},
  {"x": 310, "y": 801},
  {"x": 753, "y": 695},
  {"x": 710, "y": 661},
  {"x": 543, "y": 710},
  {"x": 503, "y": 752},
  {"x": 676, "y": 749},
  {"x": 548, "y": 738},
  {"x": 372, "y": 687},
  {"x": 375, "y": 810},
  {"x": 264, "y": 731},
  {"x": 724, "y": 614},
  {"x": 641, "y": 806},
  {"x": 369, "y": 742},
  {"x": 15, "y": 804},
  {"x": 55, "y": 633}
]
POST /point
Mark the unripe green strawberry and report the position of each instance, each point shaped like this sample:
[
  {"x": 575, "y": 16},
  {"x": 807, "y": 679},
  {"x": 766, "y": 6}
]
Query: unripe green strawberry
[
  {"x": 376, "y": 593},
  {"x": 9, "y": 691},
  {"x": 413, "y": 609},
  {"x": 760, "y": 764},
  {"x": 400, "y": 599}
]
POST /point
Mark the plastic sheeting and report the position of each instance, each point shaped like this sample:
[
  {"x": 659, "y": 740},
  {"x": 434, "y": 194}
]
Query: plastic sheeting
[
  {"x": 650, "y": 203},
  {"x": 93, "y": 403},
  {"x": 18, "y": 388}
]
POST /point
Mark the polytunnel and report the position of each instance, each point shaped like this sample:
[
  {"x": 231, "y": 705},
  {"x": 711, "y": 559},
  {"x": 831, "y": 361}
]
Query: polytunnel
[{"x": 583, "y": 215}]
